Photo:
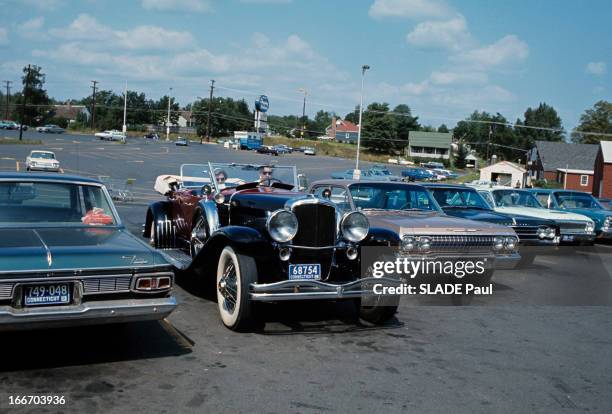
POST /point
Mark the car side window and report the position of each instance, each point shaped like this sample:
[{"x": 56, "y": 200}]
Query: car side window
[
  {"x": 339, "y": 196},
  {"x": 487, "y": 196},
  {"x": 543, "y": 199}
]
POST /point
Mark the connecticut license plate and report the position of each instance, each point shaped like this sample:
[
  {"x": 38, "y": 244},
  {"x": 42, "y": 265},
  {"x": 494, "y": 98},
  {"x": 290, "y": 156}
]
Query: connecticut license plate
[
  {"x": 567, "y": 238},
  {"x": 48, "y": 294},
  {"x": 305, "y": 272}
]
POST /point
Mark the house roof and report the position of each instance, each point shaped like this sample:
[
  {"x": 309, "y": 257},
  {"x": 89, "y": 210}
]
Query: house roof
[
  {"x": 606, "y": 150},
  {"x": 556, "y": 155},
  {"x": 342, "y": 125},
  {"x": 502, "y": 164},
  {"x": 68, "y": 111},
  {"x": 429, "y": 139},
  {"x": 570, "y": 171}
]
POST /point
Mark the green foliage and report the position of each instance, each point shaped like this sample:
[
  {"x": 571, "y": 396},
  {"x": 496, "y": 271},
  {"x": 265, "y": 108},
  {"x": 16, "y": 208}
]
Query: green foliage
[
  {"x": 476, "y": 135},
  {"x": 60, "y": 121},
  {"x": 403, "y": 123},
  {"x": 378, "y": 128},
  {"x": 543, "y": 116},
  {"x": 462, "y": 153},
  {"x": 597, "y": 119},
  {"x": 227, "y": 116},
  {"x": 353, "y": 116},
  {"x": 443, "y": 128},
  {"x": 546, "y": 184},
  {"x": 37, "y": 107}
]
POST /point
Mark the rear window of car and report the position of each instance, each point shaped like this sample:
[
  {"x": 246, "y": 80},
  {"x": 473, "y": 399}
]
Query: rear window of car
[{"x": 54, "y": 203}]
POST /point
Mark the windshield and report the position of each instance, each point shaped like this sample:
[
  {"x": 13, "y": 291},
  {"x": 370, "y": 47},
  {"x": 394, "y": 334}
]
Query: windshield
[
  {"x": 452, "y": 197},
  {"x": 391, "y": 197},
  {"x": 194, "y": 175},
  {"x": 232, "y": 175},
  {"x": 54, "y": 203},
  {"x": 577, "y": 200},
  {"x": 44, "y": 155},
  {"x": 515, "y": 198}
]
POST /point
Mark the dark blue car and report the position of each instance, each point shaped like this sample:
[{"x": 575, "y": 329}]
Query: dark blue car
[
  {"x": 417, "y": 174},
  {"x": 66, "y": 259}
]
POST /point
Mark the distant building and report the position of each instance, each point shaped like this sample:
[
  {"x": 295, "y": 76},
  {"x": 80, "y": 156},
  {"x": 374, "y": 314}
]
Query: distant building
[
  {"x": 546, "y": 158},
  {"x": 71, "y": 112},
  {"x": 577, "y": 180},
  {"x": 342, "y": 131},
  {"x": 186, "y": 119},
  {"x": 429, "y": 144},
  {"x": 504, "y": 173},
  {"x": 602, "y": 177}
]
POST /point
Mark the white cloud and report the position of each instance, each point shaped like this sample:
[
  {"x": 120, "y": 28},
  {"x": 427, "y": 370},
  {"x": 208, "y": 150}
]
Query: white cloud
[
  {"x": 459, "y": 77},
  {"x": 87, "y": 28},
  {"x": 596, "y": 68},
  {"x": 411, "y": 88},
  {"x": 452, "y": 34},
  {"x": 413, "y": 9},
  {"x": 177, "y": 5},
  {"x": 506, "y": 50},
  {"x": 3, "y": 36},
  {"x": 30, "y": 29}
]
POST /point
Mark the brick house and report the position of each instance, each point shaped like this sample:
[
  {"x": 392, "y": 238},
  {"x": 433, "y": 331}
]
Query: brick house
[
  {"x": 342, "y": 131},
  {"x": 547, "y": 158},
  {"x": 577, "y": 180},
  {"x": 602, "y": 177}
]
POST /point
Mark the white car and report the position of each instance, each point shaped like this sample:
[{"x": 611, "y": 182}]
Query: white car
[
  {"x": 42, "y": 161},
  {"x": 111, "y": 135},
  {"x": 310, "y": 151},
  {"x": 574, "y": 228}
]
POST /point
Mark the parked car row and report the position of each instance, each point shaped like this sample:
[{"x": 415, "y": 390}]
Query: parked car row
[
  {"x": 50, "y": 129},
  {"x": 11, "y": 125},
  {"x": 111, "y": 135}
]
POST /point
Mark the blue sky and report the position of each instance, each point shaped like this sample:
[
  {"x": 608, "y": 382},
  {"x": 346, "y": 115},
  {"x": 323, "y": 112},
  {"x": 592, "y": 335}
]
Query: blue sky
[{"x": 442, "y": 58}]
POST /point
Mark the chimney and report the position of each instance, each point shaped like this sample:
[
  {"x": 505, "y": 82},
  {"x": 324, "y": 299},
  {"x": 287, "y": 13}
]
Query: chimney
[{"x": 333, "y": 128}]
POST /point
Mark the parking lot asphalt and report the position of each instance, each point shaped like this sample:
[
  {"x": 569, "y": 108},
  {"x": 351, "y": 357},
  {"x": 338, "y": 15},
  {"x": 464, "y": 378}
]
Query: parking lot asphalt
[{"x": 538, "y": 346}]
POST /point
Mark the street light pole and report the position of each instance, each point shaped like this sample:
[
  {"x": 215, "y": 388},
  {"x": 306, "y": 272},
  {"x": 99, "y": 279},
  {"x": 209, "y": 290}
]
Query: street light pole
[
  {"x": 168, "y": 119},
  {"x": 125, "y": 109},
  {"x": 357, "y": 173}
]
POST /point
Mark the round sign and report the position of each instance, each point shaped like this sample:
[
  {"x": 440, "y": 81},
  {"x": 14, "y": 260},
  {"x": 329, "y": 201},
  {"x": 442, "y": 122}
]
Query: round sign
[{"x": 262, "y": 104}]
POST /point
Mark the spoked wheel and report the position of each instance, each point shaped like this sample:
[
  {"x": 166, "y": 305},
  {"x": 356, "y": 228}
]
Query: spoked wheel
[
  {"x": 235, "y": 273},
  {"x": 377, "y": 310},
  {"x": 198, "y": 236}
]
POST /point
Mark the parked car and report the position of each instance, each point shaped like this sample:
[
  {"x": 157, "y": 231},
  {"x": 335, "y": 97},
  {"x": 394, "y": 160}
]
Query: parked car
[
  {"x": 152, "y": 135},
  {"x": 9, "y": 125},
  {"x": 465, "y": 202},
  {"x": 245, "y": 230},
  {"x": 574, "y": 228},
  {"x": 606, "y": 203},
  {"x": 266, "y": 149},
  {"x": 50, "y": 129},
  {"x": 42, "y": 161},
  {"x": 366, "y": 175},
  {"x": 417, "y": 174},
  {"x": 283, "y": 149},
  {"x": 111, "y": 135},
  {"x": 383, "y": 172},
  {"x": 433, "y": 165},
  {"x": 182, "y": 142},
  {"x": 309, "y": 151},
  {"x": 448, "y": 174},
  {"x": 68, "y": 260},
  {"x": 419, "y": 227},
  {"x": 578, "y": 202},
  {"x": 24, "y": 127}
]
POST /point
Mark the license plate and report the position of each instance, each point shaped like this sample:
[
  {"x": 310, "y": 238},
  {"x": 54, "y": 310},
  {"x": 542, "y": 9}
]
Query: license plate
[
  {"x": 568, "y": 238},
  {"x": 48, "y": 294},
  {"x": 305, "y": 272}
]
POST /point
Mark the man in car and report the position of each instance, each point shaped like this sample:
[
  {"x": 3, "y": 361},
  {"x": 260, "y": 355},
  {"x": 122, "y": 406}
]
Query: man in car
[
  {"x": 265, "y": 174},
  {"x": 220, "y": 177}
]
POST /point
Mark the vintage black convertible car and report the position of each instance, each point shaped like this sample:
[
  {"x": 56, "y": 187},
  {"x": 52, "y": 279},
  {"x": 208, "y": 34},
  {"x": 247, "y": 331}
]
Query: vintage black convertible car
[
  {"x": 66, "y": 259},
  {"x": 245, "y": 227}
]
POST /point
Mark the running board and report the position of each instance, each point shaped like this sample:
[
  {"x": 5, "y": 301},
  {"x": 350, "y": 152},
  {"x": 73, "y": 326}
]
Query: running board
[{"x": 177, "y": 258}]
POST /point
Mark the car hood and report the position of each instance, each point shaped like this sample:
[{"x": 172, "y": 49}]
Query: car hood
[
  {"x": 489, "y": 216},
  {"x": 430, "y": 223},
  {"x": 595, "y": 214},
  {"x": 53, "y": 249},
  {"x": 542, "y": 213}
]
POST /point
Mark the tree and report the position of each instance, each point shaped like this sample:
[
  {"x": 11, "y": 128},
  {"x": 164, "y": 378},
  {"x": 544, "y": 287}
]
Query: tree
[
  {"x": 37, "y": 101},
  {"x": 597, "y": 119},
  {"x": 322, "y": 120},
  {"x": 353, "y": 116},
  {"x": 544, "y": 116},
  {"x": 227, "y": 116},
  {"x": 378, "y": 128},
  {"x": 403, "y": 123},
  {"x": 462, "y": 153},
  {"x": 475, "y": 130},
  {"x": 159, "y": 111},
  {"x": 443, "y": 128}
]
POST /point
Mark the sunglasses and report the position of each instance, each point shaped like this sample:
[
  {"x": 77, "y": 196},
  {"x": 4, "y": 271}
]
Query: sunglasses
[{"x": 267, "y": 172}]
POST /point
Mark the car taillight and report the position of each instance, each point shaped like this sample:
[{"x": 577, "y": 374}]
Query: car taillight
[{"x": 153, "y": 283}]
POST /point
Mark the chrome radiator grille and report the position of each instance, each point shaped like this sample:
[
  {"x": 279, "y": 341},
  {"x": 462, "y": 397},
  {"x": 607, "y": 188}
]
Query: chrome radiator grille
[
  {"x": 572, "y": 227},
  {"x": 461, "y": 243},
  {"x": 91, "y": 285},
  {"x": 526, "y": 232},
  {"x": 317, "y": 225}
]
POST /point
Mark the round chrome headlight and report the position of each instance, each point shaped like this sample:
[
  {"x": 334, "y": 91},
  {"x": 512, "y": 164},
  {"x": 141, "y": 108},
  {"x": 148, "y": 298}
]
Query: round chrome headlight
[
  {"x": 542, "y": 231},
  {"x": 498, "y": 243},
  {"x": 590, "y": 227},
  {"x": 354, "y": 226},
  {"x": 510, "y": 243},
  {"x": 606, "y": 224},
  {"x": 424, "y": 243},
  {"x": 282, "y": 226},
  {"x": 408, "y": 243},
  {"x": 551, "y": 233}
]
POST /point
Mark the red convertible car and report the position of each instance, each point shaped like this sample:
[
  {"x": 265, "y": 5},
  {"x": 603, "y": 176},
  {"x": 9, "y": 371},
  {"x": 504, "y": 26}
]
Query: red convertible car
[{"x": 246, "y": 228}]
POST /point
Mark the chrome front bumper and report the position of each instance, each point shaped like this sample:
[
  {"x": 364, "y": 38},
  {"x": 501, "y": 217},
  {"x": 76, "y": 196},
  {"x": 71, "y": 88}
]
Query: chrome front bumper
[
  {"x": 86, "y": 313},
  {"x": 576, "y": 238},
  {"x": 41, "y": 168},
  {"x": 315, "y": 289}
]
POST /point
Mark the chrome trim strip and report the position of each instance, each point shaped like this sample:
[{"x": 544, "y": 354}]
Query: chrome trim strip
[{"x": 52, "y": 272}]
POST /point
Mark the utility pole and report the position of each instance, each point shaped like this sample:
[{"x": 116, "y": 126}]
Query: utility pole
[
  {"x": 212, "y": 87},
  {"x": 8, "y": 98},
  {"x": 168, "y": 119},
  {"x": 303, "y": 113},
  {"x": 125, "y": 109},
  {"x": 489, "y": 145},
  {"x": 93, "y": 107},
  {"x": 23, "y": 104}
]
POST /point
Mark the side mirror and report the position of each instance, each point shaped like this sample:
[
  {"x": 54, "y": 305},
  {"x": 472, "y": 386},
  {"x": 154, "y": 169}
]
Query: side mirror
[
  {"x": 326, "y": 193},
  {"x": 206, "y": 189}
]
